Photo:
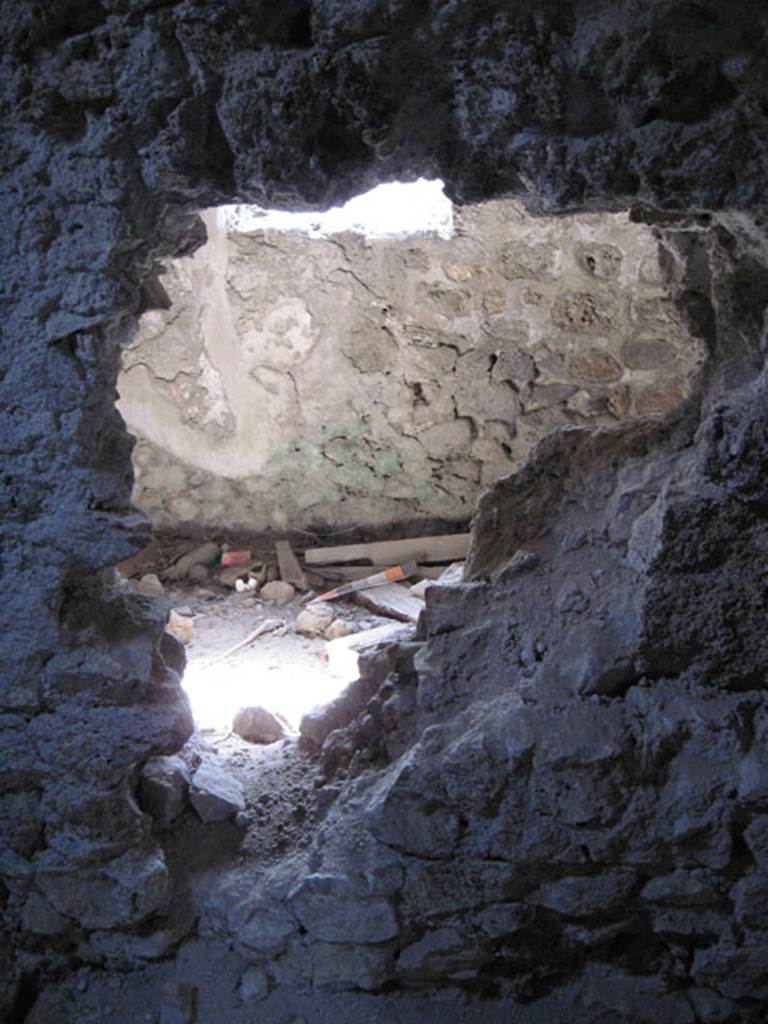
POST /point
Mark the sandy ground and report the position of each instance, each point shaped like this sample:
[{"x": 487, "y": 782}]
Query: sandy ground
[{"x": 282, "y": 670}]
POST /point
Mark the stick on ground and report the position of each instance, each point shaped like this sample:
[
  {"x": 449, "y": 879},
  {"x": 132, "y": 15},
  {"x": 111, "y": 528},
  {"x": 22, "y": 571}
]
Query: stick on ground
[{"x": 267, "y": 626}]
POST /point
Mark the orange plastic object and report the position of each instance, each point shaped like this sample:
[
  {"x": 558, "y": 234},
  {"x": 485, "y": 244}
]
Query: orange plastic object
[{"x": 235, "y": 558}]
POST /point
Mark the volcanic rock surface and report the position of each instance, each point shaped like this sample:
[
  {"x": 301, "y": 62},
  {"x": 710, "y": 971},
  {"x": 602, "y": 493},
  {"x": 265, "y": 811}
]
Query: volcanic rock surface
[{"x": 553, "y": 804}]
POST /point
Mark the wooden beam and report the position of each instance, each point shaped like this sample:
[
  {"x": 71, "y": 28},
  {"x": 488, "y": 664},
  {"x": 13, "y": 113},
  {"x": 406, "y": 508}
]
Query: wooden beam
[
  {"x": 359, "y": 572},
  {"x": 451, "y": 547},
  {"x": 290, "y": 570},
  {"x": 392, "y": 600}
]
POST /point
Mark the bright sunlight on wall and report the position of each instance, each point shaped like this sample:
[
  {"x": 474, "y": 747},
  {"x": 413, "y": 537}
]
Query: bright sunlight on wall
[{"x": 394, "y": 210}]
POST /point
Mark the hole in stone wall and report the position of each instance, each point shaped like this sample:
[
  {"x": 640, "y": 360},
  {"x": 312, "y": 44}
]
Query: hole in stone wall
[{"x": 366, "y": 373}]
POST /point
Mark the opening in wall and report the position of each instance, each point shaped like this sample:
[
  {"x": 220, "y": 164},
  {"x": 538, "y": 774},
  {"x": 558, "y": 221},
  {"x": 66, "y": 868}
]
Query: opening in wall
[{"x": 363, "y": 374}]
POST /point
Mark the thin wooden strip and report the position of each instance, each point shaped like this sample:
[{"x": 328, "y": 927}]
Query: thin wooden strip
[
  {"x": 446, "y": 548},
  {"x": 290, "y": 570},
  {"x": 392, "y": 600},
  {"x": 359, "y": 572}
]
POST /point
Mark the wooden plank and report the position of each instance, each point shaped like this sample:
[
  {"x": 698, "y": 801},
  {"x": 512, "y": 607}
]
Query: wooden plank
[
  {"x": 290, "y": 570},
  {"x": 452, "y": 547},
  {"x": 343, "y": 654},
  {"x": 392, "y": 600},
  {"x": 359, "y": 572}
]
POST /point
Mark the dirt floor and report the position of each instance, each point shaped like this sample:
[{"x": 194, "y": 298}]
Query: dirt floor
[{"x": 281, "y": 670}]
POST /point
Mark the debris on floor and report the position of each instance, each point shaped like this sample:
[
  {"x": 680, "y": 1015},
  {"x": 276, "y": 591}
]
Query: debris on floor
[
  {"x": 278, "y": 593},
  {"x": 315, "y": 619},
  {"x": 250, "y": 675},
  {"x": 180, "y": 626},
  {"x": 150, "y": 584},
  {"x": 345, "y": 652},
  {"x": 230, "y": 558},
  {"x": 339, "y": 628},
  {"x": 419, "y": 589},
  {"x": 377, "y": 579},
  {"x": 393, "y": 600},
  {"x": 215, "y": 794},
  {"x": 259, "y": 725},
  {"x": 267, "y": 626}
]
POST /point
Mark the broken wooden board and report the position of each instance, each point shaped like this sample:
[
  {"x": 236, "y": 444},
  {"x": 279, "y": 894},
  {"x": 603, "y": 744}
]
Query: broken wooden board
[
  {"x": 344, "y": 652},
  {"x": 290, "y": 570},
  {"x": 452, "y": 547},
  {"x": 392, "y": 600},
  {"x": 360, "y": 572}
]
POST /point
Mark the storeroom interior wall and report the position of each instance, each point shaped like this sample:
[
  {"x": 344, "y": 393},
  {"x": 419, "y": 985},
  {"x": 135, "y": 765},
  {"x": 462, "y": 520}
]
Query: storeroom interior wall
[{"x": 300, "y": 382}]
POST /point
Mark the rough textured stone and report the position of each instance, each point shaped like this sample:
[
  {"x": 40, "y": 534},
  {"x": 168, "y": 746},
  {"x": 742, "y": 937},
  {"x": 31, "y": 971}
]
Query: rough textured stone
[
  {"x": 315, "y": 620},
  {"x": 124, "y": 118},
  {"x": 329, "y": 909},
  {"x": 339, "y": 628},
  {"x": 254, "y": 985},
  {"x": 163, "y": 788},
  {"x": 150, "y": 584},
  {"x": 258, "y": 725},
  {"x": 278, "y": 593},
  {"x": 181, "y": 627},
  {"x": 214, "y": 794}
]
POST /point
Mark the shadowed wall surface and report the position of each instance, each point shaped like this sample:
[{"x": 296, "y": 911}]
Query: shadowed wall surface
[{"x": 559, "y": 801}]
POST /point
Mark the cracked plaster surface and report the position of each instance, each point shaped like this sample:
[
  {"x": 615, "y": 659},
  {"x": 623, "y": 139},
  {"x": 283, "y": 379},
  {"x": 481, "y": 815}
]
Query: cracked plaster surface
[{"x": 396, "y": 379}]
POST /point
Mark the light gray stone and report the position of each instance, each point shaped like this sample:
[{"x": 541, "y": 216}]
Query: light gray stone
[
  {"x": 39, "y": 917},
  {"x": 330, "y": 909},
  {"x": 267, "y": 930},
  {"x": 587, "y": 895},
  {"x": 278, "y": 593},
  {"x": 163, "y": 786},
  {"x": 254, "y": 985},
  {"x": 150, "y": 584},
  {"x": 215, "y": 794},
  {"x": 642, "y": 1000},
  {"x": 315, "y": 619},
  {"x": 122, "y": 892},
  {"x": 442, "y": 953},
  {"x": 258, "y": 725}
]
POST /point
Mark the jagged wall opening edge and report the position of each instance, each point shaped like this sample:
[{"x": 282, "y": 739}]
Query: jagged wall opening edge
[{"x": 613, "y": 669}]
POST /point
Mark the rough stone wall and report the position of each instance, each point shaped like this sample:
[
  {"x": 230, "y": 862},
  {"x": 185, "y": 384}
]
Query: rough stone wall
[
  {"x": 303, "y": 383},
  {"x": 122, "y": 117}
]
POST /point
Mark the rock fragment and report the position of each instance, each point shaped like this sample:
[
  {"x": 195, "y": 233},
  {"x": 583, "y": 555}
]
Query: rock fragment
[
  {"x": 315, "y": 619},
  {"x": 339, "y": 628},
  {"x": 330, "y": 909},
  {"x": 150, "y": 584},
  {"x": 254, "y": 985},
  {"x": 419, "y": 589},
  {"x": 215, "y": 794},
  {"x": 163, "y": 788},
  {"x": 258, "y": 725},
  {"x": 181, "y": 627},
  {"x": 278, "y": 593},
  {"x": 40, "y": 918}
]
